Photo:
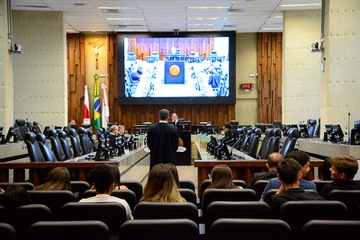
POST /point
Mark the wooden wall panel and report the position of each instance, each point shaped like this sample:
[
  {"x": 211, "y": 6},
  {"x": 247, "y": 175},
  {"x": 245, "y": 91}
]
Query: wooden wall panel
[
  {"x": 270, "y": 77},
  {"x": 130, "y": 115}
]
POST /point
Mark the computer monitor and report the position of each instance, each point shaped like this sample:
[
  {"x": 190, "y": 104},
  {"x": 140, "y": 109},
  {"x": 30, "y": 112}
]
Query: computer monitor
[
  {"x": 184, "y": 125},
  {"x": 303, "y": 130},
  {"x": 355, "y": 134},
  {"x": 140, "y": 129},
  {"x": 338, "y": 133},
  {"x": 223, "y": 152},
  {"x": 212, "y": 129},
  {"x": 198, "y": 129}
]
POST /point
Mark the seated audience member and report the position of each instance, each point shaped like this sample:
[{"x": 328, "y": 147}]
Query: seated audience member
[
  {"x": 114, "y": 132},
  {"x": 174, "y": 172},
  {"x": 117, "y": 178},
  {"x": 121, "y": 130},
  {"x": 343, "y": 169},
  {"x": 72, "y": 122},
  {"x": 227, "y": 130},
  {"x": 272, "y": 162},
  {"x": 289, "y": 173},
  {"x": 57, "y": 179},
  {"x": 325, "y": 173},
  {"x": 304, "y": 160},
  {"x": 221, "y": 178},
  {"x": 174, "y": 118},
  {"x": 16, "y": 196},
  {"x": 161, "y": 186},
  {"x": 103, "y": 181}
]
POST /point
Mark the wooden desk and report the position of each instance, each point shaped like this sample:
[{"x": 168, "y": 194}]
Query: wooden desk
[
  {"x": 38, "y": 169},
  {"x": 241, "y": 169}
]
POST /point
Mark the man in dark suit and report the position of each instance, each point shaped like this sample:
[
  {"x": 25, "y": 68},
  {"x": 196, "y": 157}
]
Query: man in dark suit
[
  {"x": 162, "y": 140},
  {"x": 272, "y": 162}
]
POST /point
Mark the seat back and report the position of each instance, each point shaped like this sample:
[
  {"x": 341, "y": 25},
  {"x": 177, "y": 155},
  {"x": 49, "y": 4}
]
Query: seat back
[
  {"x": 320, "y": 184},
  {"x": 174, "y": 229},
  {"x": 189, "y": 195},
  {"x": 351, "y": 198},
  {"x": 21, "y": 218},
  {"x": 128, "y": 195},
  {"x": 331, "y": 230},
  {"x": 45, "y": 148},
  {"x": 248, "y": 229},
  {"x": 264, "y": 144},
  {"x": 113, "y": 214},
  {"x": 20, "y": 128},
  {"x": 253, "y": 145},
  {"x": 221, "y": 209},
  {"x": 84, "y": 140},
  {"x": 56, "y": 145},
  {"x": 289, "y": 142},
  {"x": 187, "y": 184},
  {"x": 26, "y": 185},
  {"x": 54, "y": 199},
  {"x": 207, "y": 182},
  {"x": 7, "y": 232},
  {"x": 259, "y": 187},
  {"x": 75, "y": 143},
  {"x": 65, "y": 144},
  {"x": 33, "y": 148},
  {"x": 78, "y": 188},
  {"x": 69, "y": 230},
  {"x": 166, "y": 210},
  {"x": 297, "y": 213},
  {"x": 134, "y": 186},
  {"x": 274, "y": 142},
  {"x": 230, "y": 195}
]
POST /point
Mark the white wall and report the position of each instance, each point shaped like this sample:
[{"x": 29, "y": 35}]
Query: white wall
[
  {"x": 301, "y": 68},
  {"x": 40, "y": 80}
]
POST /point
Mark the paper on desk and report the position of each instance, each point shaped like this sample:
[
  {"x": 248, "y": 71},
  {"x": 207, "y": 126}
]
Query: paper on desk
[{"x": 180, "y": 149}]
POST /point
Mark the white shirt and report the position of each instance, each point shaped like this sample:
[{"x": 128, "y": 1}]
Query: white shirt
[{"x": 108, "y": 198}]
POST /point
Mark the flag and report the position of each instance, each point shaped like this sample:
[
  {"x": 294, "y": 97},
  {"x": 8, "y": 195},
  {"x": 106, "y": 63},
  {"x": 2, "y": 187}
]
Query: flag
[
  {"x": 97, "y": 111},
  {"x": 105, "y": 114},
  {"x": 86, "y": 106}
]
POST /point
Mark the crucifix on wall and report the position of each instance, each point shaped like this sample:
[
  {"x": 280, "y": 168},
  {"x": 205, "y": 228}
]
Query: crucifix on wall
[{"x": 96, "y": 51}]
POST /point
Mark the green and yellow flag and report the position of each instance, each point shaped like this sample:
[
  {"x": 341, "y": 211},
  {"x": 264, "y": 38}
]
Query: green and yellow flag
[{"x": 97, "y": 104}]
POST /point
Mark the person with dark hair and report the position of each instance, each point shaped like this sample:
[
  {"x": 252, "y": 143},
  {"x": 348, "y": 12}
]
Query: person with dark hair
[
  {"x": 117, "y": 178},
  {"x": 16, "y": 196},
  {"x": 290, "y": 175},
  {"x": 174, "y": 172},
  {"x": 57, "y": 179},
  {"x": 304, "y": 160},
  {"x": 103, "y": 179},
  {"x": 343, "y": 169},
  {"x": 162, "y": 140},
  {"x": 221, "y": 178},
  {"x": 161, "y": 186},
  {"x": 325, "y": 173},
  {"x": 272, "y": 162}
]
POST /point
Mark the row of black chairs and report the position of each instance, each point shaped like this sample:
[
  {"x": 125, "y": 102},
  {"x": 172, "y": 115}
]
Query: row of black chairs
[{"x": 39, "y": 150}]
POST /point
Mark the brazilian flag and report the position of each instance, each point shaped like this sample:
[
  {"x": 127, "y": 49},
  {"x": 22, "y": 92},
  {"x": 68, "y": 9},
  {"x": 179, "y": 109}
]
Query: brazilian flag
[{"x": 97, "y": 110}]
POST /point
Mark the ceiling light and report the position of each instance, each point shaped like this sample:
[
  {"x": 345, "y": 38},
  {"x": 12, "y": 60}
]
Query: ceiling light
[
  {"x": 207, "y": 18},
  {"x": 124, "y": 19},
  {"x": 131, "y": 30},
  {"x": 301, "y": 5},
  {"x": 207, "y": 7},
  {"x": 118, "y": 8},
  {"x": 234, "y": 10},
  {"x": 271, "y": 29}
]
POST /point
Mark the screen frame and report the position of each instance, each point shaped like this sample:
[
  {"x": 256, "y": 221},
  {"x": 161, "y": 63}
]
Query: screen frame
[{"x": 123, "y": 100}]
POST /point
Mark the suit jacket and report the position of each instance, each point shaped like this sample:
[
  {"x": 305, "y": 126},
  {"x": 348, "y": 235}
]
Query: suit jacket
[
  {"x": 263, "y": 176},
  {"x": 163, "y": 141}
]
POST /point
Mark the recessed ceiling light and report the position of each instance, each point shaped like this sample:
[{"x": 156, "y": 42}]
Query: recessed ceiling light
[
  {"x": 124, "y": 19},
  {"x": 207, "y": 18},
  {"x": 118, "y": 8},
  {"x": 301, "y": 5},
  {"x": 208, "y": 7}
]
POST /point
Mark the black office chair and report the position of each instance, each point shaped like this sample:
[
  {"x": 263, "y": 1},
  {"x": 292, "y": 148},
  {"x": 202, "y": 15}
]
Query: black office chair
[
  {"x": 351, "y": 198},
  {"x": 331, "y": 230},
  {"x": 289, "y": 141},
  {"x": 207, "y": 182},
  {"x": 33, "y": 148},
  {"x": 134, "y": 186},
  {"x": 166, "y": 210},
  {"x": 222, "y": 209},
  {"x": 249, "y": 229},
  {"x": 56, "y": 145},
  {"x": 189, "y": 195},
  {"x": 174, "y": 229},
  {"x": 84, "y": 140},
  {"x": 20, "y": 128},
  {"x": 187, "y": 184},
  {"x": 231, "y": 195},
  {"x": 26, "y": 185},
  {"x": 264, "y": 144},
  {"x": 7, "y": 232},
  {"x": 259, "y": 187},
  {"x": 113, "y": 214},
  {"x": 320, "y": 184},
  {"x": 21, "y": 218},
  {"x": 45, "y": 148},
  {"x": 65, "y": 144},
  {"x": 53, "y": 199},
  {"x": 69, "y": 230},
  {"x": 128, "y": 195},
  {"x": 297, "y": 213},
  {"x": 274, "y": 142},
  {"x": 75, "y": 143}
]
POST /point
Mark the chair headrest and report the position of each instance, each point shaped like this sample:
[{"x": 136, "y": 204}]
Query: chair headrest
[
  {"x": 258, "y": 132},
  {"x": 293, "y": 133},
  {"x": 72, "y": 132},
  {"x": 62, "y": 134},
  {"x": 41, "y": 138},
  {"x": 52, "y": 133},
  {"x": 30, "y": 136},
  {"x": 81, "y": 130},
  {"x": 277, "y": 132},
  {"x": 20, "y": 122}
]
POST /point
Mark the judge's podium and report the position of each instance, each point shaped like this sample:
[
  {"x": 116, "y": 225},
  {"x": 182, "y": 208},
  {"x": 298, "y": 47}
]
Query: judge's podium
[{"x": 184, "y": 158}]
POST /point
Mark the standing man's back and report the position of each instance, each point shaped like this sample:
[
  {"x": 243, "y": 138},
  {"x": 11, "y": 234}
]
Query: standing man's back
[{"x": 162, "y": 140}]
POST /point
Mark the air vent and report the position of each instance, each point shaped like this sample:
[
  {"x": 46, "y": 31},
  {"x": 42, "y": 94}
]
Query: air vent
[
  {"x": 28, "y": 6},
  {"x": 110, "y": 11},
  {"x": 235, "y": 10}
]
